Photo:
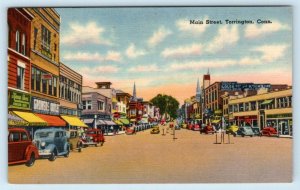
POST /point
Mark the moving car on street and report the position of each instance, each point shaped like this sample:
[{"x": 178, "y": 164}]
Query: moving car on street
[
  {"x": 196, "y": 127},
  {"x": 269, "y": 131},
  {"x": 52, "y": 142},
  {"x": 93, "y": 137},
  {"x": 155, "y": 130},
  {"x": 130, "y": 130},
  {"x": 20, "y": 147},
  {"x": 207, "y": 129},
  {"x": 232, "y": 130}
]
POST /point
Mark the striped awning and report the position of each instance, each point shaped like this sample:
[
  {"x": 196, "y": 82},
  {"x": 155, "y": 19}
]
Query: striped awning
[
  {"x": 14, "y": 120},
  {"x": 88, "y": 121},
  {"x": 32, "y": 119},
  {"x": 101, "y": 122}
]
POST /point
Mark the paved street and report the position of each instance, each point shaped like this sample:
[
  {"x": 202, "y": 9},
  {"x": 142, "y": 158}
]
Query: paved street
[{"x": 146, "y": 158}]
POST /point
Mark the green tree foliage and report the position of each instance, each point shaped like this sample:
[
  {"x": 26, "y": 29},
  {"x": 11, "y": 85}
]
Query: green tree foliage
[{"x": 167, "y": 104}]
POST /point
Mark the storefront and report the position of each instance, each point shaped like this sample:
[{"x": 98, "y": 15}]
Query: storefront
[
  {"x": 283, "y": 123},
  {"x": 246, "y": 120}
]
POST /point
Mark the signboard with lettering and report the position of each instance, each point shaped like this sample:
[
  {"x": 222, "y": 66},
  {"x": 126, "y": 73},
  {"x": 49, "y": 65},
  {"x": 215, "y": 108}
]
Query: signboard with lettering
[
  {"x": 44, "y": 106},
  {"x": 46, "y": 76},
  {"x": 234, "y": 86},
  {"x": 19, "y": 100}
]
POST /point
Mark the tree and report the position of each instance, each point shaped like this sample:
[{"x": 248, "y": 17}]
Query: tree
[{"x": 166, "y": 104}]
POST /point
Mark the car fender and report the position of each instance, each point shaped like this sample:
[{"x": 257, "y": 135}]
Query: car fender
[
  {"x": 51, "y": 147},
  {"x": 66, "y": 146},
  {"x": 29, "y": 150}
]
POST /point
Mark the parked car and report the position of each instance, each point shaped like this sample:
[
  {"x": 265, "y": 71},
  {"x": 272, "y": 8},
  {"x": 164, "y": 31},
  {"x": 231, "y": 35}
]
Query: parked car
[
  {"x": 207, "y": 129},
  {"x": 177, "y": 127},
  {"x": 20, "y": 147},
  {"x": 74, "y": 140},
  {"x": 155, "y": 130},
  {"x": 52, "y": 142},
  {"x": 255, "y": 130},
  {"x": 190, "y": 126},
  {"x": 93, "y": 137},
  {"x": 245, "y": 131},
  {"x": 196, "y": 127},
  {"x": 232, "y": 130},
  {"x": 268, "y": 131},
  {"x": 184, "y": 126},
  {"x": 130, "y": 131}
]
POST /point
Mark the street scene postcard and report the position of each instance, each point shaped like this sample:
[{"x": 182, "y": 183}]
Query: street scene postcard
[{"x": 150, "y": 95}]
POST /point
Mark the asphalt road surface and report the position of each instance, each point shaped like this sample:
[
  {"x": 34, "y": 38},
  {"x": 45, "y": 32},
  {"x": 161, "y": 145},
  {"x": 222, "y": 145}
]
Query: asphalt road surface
[{"x": 146, "y": 158}]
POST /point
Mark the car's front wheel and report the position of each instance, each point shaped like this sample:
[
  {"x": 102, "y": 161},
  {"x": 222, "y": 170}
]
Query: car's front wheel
[
  {"x": 31, "y": 160},
  {"x": 52, "y": 156},
  {"x": 68, "y": 153}
]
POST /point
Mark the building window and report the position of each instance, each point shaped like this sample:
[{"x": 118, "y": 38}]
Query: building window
[
  {"x": 17, "y": 41},
  {"x": 100, "y": 105},
  {"x": 44, "y": 85},
  {"x": 32, "y": 78},
  {"x": 20, "y": 78},
  {"x": 247, "y": 106},
  {"x": 50, "y": 87},
  {"x": 55, "y": 86},
  {"x": 235, "y": 108},
  {"x": 23, "y": 45},
  {"x": 253, "y": 106},
  {"x": 46, "y": 38},
  {"x": 38, "y": 81},
  {"x": 241, "y": 107},
  {"x": 87, "y": 105},
  {"x": 35, "y": 36}
]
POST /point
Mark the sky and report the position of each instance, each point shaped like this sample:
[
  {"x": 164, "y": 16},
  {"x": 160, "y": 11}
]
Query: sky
[{"x": 159, "y": 50}]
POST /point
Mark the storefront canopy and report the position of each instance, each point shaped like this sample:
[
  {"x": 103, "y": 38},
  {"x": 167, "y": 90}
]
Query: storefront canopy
[
  {"x": 132, "y": 120},
  {"x": 14, "y": 120},
  {"x": 32, "y": 119},
  {"x": 101, "y": 122},
  {"x": 74, "y": 121},
  {"x": 52, "y": 120},
  {"x": 88, "y": 121},
  {"x": 266, "y": 102},
  {"x": 110, "y": 122},
  {"x": 215, "y": 121},
  {"x": 124, "y": 121},
  {"x": 118, "y": 122}
]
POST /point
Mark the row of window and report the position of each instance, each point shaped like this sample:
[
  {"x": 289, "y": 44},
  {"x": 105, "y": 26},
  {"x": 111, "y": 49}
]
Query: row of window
[
  {"x": 87, "y": 105},
  {"x": 211, "y": 97},
  {"x": 69, "y": 93},
  {"x": 43, "y": 82},
  {"x": 69, "y": 82},
  {"x": 282, "y": 102}
]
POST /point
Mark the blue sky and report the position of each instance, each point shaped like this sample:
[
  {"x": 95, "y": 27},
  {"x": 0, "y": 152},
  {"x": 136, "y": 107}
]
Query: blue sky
[{"x": 162, "y": 52}]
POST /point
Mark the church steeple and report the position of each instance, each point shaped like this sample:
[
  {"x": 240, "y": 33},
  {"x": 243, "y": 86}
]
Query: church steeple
[
  {"x": 198, "y": 91},
  {"x": 134, "y": 98}
]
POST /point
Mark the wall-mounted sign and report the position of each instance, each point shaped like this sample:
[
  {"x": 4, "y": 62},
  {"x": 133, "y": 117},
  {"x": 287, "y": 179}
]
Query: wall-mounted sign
[
  {"x": 44, "y": 106},
  {"x": 46, "y": 76},
  {"x": 19, "y": 100},
  {"x": 234, "y": 86}
]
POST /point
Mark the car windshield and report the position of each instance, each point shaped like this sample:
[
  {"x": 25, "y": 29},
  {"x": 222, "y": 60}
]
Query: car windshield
[
  {"x": 248, "y": 129},
  {"x": 44, "y": 134}
]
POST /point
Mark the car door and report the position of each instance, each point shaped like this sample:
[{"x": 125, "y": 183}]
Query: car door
[
  {"x": 25, "y": 142},
  {"x": 57, "y": 141},
  {"x": 14, "y": 147}
]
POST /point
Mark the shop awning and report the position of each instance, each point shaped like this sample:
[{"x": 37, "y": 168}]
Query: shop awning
[
  {"x": 32, "y": 119},
  {"x": 74, "y": 121},
  {"x": 14, "y": 120},
  {"x": 52, "y": 120},
  {"x": 118, "y": 122},
  {"x": 266, "y": 102},
  {"x": 132, "y": 120},
  {"x": 114, "y": 100},
  {"x": 124, "y": 121},
  {"x": 215, "y": 121},
  {"x": 101, "y": 122},
  {"x": 110, "y": 122},
  {"x": 88, "y": 121}
]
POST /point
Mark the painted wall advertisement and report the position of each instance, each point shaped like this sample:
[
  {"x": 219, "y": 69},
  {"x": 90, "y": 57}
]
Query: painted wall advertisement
[{"x": 45, "y": 106}]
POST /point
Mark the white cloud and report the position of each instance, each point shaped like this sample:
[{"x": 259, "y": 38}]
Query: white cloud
[
  {"x": 227, "y": 35},
  {"x": 100, "y": 70},
  {"x": 133, "y": 52},
  {"x": 255, "y": 30},
  {"x": 191, "y": 65},
  {"x": 271, "y": 53},
  {"x": 250, "y": 61},
  {"x": 158, "y": 36},
  {"x": 195, "y": 29},
  {"x": 144, "y": 68},
  {"x": 89, "y": 33},
  {"x": 85, "y": 56},
  {"x": 182, "y": 51}
]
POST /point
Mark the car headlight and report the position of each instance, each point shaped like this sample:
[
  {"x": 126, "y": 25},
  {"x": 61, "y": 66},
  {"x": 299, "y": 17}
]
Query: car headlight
[{"x": 43, "y": 144}]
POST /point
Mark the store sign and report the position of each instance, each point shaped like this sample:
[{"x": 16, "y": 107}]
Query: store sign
[
  {"x": 45, "y": 106},
  {"x": 234, "y": 86},
  {"x": 46, "y": 76},
  {"x": 19, "y": 100}
]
